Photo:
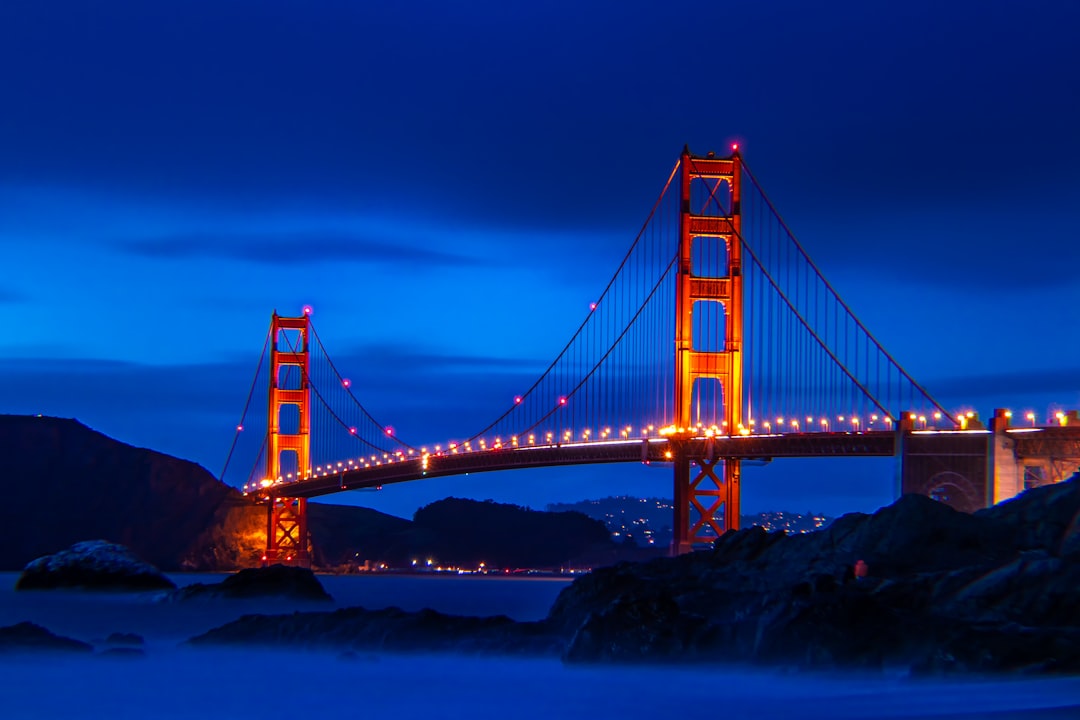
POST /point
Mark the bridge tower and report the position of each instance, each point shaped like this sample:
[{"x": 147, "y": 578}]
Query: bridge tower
[
  {"x": 286, "y": 526},
  {"x": 707, "y": 500}
]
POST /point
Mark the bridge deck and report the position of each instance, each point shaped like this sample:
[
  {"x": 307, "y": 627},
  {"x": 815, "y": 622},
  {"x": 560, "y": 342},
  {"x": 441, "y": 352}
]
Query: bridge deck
[{"x": 865, "y": 444}]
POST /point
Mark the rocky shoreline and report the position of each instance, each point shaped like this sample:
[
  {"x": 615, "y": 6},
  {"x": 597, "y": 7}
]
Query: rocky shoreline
[{"x": 944, "y": 593}]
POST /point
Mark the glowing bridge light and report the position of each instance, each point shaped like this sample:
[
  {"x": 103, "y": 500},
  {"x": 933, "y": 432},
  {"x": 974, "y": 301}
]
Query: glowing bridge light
[
  {"x": 517, "y": 399},
  {"x": 562, "y": 400},
  {"x": 308, "y": 309},
  {"x": 346, "y": 382},
  {"x": 389, "y": 430},
  {"x": 352, "y": 431},
  {"x": 239, "y": 428},
  {"x": 592, "y": 306}
]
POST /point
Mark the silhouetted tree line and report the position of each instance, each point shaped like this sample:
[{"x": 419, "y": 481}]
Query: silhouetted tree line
[{"x": 463, "y": 532}]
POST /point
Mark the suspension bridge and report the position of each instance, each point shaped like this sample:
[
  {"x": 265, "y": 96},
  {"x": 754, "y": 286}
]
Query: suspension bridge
[{"x": 716, "y": 340}]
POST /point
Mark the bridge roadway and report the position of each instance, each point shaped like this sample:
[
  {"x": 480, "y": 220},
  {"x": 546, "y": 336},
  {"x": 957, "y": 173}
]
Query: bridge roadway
[{"x": 823, "y": 444}]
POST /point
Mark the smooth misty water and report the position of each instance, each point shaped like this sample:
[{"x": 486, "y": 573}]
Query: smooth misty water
[{"x": 178, "y": 682}]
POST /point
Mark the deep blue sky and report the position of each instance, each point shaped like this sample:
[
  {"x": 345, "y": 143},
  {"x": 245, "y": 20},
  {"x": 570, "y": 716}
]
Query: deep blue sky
[{"x": 450, "y": 184}]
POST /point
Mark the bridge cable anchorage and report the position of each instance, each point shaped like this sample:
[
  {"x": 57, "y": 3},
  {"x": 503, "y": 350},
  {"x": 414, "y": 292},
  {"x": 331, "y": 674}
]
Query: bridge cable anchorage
[
  {"x": 585, "y": 322},
  {"x": 340, "y": 378},
  {"x": 802, "y": 250},
  {"x": 247, "y": 405}
]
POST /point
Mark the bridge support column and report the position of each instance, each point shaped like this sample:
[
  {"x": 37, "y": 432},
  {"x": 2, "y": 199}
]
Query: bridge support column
[
  {"x": 287, "y": 532},
  {"x": 705, "y": 504},
  {"x": 716, "y": 506},
  {"x": 286, "y": 526}
]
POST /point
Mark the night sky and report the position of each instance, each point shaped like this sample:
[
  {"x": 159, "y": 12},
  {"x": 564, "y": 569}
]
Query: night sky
[{"x": 451, "y": 184}]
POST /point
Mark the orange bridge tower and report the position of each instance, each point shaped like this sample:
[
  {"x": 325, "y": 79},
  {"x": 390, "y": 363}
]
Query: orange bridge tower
[
  {"x": 703, "y": 508},
  {"x": 286, "y": 527}
]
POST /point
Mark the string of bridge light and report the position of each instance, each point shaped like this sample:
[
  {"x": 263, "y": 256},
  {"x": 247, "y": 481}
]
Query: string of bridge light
[{"x": 552, "y": 438}]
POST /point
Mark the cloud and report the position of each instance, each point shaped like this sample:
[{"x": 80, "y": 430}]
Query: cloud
[{"x": 289, "y": 248}]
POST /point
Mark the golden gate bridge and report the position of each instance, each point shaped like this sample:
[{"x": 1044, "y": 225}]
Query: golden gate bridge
[{"x": 716, "y": 340}]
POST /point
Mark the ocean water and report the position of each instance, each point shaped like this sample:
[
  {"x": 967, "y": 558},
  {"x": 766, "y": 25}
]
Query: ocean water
[{"x": 172, "y": 681}]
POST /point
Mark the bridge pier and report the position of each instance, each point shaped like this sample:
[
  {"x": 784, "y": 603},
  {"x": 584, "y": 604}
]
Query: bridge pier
[
  {"x": 707, "y": 499},
  {"x": 287, "y": 540}
]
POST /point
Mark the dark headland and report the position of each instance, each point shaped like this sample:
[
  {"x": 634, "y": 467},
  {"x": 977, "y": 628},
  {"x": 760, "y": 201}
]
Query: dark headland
[{"x": 72, "y": 484}]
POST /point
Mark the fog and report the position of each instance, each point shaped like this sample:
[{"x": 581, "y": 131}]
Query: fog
[{"x": 175, "y": 681}]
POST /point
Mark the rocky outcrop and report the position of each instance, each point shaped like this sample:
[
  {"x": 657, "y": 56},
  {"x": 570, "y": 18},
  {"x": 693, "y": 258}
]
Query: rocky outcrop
[
  {"x": 946, "y": 592},
  {"x": 276, "y": 581},
  {"x": 388, "y": 629},
  {"x": 93, "y": 565},
  {"x": 28, "y": 636},
  {"x": 998, "y": 591}
]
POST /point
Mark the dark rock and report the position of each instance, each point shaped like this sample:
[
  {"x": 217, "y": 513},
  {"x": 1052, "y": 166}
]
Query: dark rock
[
  {"x": 118, "y": 639},
  {"x": 635, "y": 628},
  {"x": 276, "y": 581},
  {"x": 1044, "y": 518},
  {"x": 388, "y": 629},
  {"x": 946, "y": 592},
  {"x": 28, "y": 636},
  {"x": 93, "y": 565}
]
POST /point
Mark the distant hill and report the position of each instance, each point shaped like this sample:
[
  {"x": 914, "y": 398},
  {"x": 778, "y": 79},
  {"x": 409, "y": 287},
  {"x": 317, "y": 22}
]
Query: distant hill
[{"x": 64, "y": 482}]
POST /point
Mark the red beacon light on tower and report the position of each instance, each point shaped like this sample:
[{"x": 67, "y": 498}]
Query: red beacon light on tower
[{"x": 308, "y": 309}]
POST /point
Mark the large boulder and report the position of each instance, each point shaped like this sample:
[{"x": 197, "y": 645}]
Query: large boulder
[
  {"x": 635, "y": 628},
  {"x": 276, "y": 581},
  {"x": 28, "y": 636},
  {"x": 93, "y": 565}
]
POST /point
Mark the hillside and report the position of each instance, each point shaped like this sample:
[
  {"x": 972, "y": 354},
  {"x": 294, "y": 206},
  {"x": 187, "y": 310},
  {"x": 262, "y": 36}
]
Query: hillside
[{"x": 70, "y": 483}]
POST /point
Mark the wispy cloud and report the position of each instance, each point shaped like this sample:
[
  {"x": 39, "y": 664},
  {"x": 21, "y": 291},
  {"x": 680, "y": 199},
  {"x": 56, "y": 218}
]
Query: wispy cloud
[{"x": 290, "y": 248}]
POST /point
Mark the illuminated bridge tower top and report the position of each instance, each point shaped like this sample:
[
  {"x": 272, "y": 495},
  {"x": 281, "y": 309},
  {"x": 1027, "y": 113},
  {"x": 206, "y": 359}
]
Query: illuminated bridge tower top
[{"x": 709, "y": 208}]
